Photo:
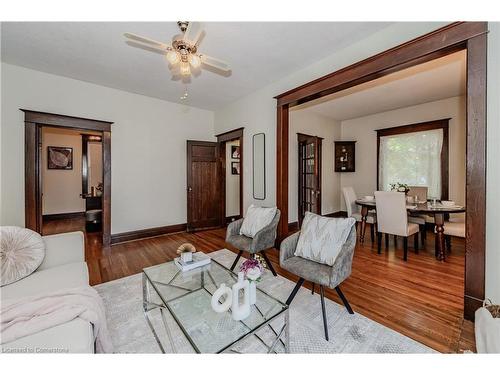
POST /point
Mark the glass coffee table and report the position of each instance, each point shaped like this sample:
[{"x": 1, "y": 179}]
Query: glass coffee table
[{"x": 186, "y": 296}]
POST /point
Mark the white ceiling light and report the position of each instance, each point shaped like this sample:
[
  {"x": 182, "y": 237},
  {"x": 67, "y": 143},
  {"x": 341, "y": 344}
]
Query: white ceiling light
[{"x": 183, "y": 49}]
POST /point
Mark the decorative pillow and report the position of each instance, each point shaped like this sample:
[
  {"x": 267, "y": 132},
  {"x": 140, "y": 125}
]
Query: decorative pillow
[
  {"x": 321, "y": 238},
  {"x": 256, "y": 219},
  {"x": 21, "y": 253}
]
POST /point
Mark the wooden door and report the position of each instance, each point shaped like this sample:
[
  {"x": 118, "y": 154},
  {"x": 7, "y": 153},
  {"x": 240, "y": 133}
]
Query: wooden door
[
  {"x": 204, "y": 198},
  {"x": 309, "y": 175}
]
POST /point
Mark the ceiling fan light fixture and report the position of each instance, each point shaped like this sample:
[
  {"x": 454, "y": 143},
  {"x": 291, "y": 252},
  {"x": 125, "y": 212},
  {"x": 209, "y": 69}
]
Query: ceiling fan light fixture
[
  {"x": 195, "y": 61},
  {"x": 185, "y": 70},
  {"x": 173, "y": 57},
  {"x": 182, "y": 54}
]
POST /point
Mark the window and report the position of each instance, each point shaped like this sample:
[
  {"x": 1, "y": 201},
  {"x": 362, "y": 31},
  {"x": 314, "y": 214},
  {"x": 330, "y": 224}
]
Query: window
[{"x": 416, "y": 155}]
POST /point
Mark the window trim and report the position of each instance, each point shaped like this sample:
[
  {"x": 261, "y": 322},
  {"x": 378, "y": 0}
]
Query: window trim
[{"x": 420, "y": 127}]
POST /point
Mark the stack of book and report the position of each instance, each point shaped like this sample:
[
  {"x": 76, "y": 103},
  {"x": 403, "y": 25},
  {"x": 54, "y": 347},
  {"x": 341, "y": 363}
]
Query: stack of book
[{"x": 199, "y": 259}]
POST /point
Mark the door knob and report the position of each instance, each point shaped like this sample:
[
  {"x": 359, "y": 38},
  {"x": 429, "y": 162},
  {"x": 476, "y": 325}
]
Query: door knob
[{"x": 190, "y": 189}]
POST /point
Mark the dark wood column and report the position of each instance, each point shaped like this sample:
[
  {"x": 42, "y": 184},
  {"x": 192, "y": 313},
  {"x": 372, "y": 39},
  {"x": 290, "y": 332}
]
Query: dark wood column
[
  {"x": 282, "y": 169},
  {"x": 475, "y": 239}
]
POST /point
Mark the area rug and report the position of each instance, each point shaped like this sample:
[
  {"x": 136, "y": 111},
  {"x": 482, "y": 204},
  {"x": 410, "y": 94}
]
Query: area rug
[{"x": 130, "y": 332}]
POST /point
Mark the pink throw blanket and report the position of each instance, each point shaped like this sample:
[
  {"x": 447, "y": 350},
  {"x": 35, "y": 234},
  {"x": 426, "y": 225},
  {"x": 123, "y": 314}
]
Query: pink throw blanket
[{"x": 29, "y": 315}]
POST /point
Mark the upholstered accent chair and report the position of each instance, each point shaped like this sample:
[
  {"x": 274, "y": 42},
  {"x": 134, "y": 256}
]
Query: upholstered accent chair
[
  {"x": 318, "y": 273},
  {"x": 392, "y": 218},
  {"x": 353, "y": 210},
  {"x": 263, "y": 240}
]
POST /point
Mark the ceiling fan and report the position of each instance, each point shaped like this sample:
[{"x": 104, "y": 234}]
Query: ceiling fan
[{"x": 182, "y": 53}]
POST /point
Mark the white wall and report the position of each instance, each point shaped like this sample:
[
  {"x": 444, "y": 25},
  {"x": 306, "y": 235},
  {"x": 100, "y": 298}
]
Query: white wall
[
  {"x": 232, "y": 183},
  {"x": 362, "y": 130},
  {"x": 148, "y": 145},
  {"x": 62, "y": 188},
  {"x": 307, "y": 122},
  {"x": 257, "y": 113}
]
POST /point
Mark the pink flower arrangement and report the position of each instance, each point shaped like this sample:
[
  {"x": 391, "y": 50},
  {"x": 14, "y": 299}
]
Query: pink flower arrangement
[{"x": 252, "y": 269}]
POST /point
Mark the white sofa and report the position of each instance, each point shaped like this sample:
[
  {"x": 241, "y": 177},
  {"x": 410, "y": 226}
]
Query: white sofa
[{"x": 63, "y": 267}]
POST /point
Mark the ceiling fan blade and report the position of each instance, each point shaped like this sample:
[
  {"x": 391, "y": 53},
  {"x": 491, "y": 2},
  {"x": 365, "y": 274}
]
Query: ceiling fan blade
[
  {"x": 147, "y": 47},
  {"x": 193, "y": 32},
  {"x": 215, "y": 63},
  {"x": 145, "y": 40}
]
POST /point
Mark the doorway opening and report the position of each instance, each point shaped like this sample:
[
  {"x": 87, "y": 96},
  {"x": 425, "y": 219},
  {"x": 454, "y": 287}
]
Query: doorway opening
[
  {"x": 231, "y": 156},
  {"x": 67, "y": 175},
  {"x": 468, "y": 36},
  {"x": 72, "y": 180},
  {"x": 309, "y": 175}
]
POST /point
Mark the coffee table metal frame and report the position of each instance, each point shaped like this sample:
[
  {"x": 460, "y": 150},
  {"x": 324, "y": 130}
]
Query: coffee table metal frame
[{"x": 282, "y": 335}]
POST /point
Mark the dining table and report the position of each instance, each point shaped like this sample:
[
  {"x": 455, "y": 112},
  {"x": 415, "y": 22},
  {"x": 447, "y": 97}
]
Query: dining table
[{"x": 438, "y": 211}]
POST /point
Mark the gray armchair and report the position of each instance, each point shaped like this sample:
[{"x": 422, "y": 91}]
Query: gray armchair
[
  {"x": 263, "y": 240},
  {"x": 318, "y": 273}
]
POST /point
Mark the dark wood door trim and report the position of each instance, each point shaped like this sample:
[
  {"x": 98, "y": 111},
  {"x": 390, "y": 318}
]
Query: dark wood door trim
[
  {"x": 34, "y": 121},
  {"x": 54, "y": 119},
  {"x": 106, "y": 194},
  {"x": 231, "y": 135},
  {"x": 32, "y": 176},
  {"x": 420, "y": 127},
  {"x": 441, "y": 42},
  {"x": 471, "y": 36}
]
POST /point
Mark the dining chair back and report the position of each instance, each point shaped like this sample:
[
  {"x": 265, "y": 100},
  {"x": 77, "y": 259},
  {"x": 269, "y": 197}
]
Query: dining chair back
[
  {"x": 391, "y": 213},
  {"x": 419, "y": 191},
  {"x": 350, "y": 200}
]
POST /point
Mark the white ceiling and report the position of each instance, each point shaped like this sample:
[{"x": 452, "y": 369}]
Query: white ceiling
[
  {"x": 258, "y": 52},
  {"x": 437, "y": 79}
]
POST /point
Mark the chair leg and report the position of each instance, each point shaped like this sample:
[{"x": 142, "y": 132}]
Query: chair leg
[
  {"x": 294, "y": 291},
  {"x": 269, "y": 265},
  {"x": 372, "y": 232},
  {"x": 422, "y": 234},
  {"x": 312, "y": 289},
  {"x": 236, "y": 260},
  {"x": 448, "y": 243},
  {"x": 344, "y": 300},
  {"x": 415, "y": 242},
  {"x": 325, "y": 324},
  {"x": 379, "y": 243},
  {"x": 405, "y": 248},
  {"x": 386, "y": 241}
]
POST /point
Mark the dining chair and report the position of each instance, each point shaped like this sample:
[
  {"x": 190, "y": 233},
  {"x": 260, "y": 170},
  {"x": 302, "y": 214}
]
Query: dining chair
[
  {"x": 455, "y": 227},
  {"x": 421, "y": 192},
  {"x": 353, "y": 210},
  {"x": 392, "y": 218}
]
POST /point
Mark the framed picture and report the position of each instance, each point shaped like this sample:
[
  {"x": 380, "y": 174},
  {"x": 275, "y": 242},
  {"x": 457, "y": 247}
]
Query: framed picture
[
  {"x": 59, "y": 157},
  {"x": 235, "y": 152},
  {"x": 235, "y": 167}
]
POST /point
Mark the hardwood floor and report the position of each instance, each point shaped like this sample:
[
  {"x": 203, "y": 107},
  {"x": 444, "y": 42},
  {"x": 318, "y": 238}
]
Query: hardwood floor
[{"x": 421, "y": 298}]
